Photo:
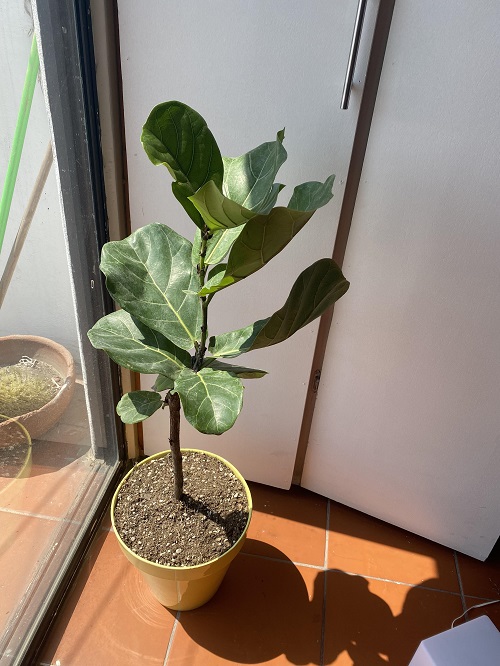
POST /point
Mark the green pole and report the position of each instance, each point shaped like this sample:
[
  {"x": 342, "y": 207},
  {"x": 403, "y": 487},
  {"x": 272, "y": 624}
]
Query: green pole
[{"x": 18, "y": 140}]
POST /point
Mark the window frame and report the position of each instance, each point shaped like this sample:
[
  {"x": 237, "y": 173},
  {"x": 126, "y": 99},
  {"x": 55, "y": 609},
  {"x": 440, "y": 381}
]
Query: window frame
[{"x": 67, "y": 65}]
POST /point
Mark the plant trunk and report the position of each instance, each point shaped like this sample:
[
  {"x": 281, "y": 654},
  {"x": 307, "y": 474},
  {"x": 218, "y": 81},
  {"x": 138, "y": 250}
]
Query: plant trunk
[{"x": 174, "y": 405}]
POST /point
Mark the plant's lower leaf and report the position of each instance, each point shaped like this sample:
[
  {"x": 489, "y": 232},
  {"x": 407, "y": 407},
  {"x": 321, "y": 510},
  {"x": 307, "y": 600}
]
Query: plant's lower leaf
[
  {"x": 312, "y": 195},
  {"x": 315, "y": 290},
  {"x": 248, "y": 179},
  {"x": 163, "y": 383},
  {"x": 217, "y": 211},
  {"x": 135, "y": 346},
  {"x": 238, "y": 370},
  {"x": 138, "y": 406},
  {"x": 150, "y": 275},
  {"x": 211, "y": 399}
]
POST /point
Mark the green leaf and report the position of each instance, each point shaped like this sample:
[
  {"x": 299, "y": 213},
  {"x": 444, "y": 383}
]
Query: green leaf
[
  {"x": 314, "y": 291},
  {"x": 220, "y": 244},
  {"x": 248, "y": 179},
  {"x": 135, "y": 346},
  {"x": 196, "y": 248},
  {"x": 138, "y": 406},
  {"x": 238, "y": 370},
  {"x": 264, "y": 236},
  {"x": 260, "y": 240},
  {"x": 312, "y": 195},
  {"x": 150, "y": 275},
  {"x": 187, "y": 205},
  {"x": 271, "y": 198},
  {"x": 177, "y": 137},
  {"x": 217, "y": 211},
  {"x": 211, "y": 399},
  {"x": 214, "y": 275},
  {"x": 163, "y": 383}
]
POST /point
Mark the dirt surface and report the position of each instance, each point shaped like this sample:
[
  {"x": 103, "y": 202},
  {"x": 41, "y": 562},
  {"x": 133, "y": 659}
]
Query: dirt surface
[{"x": 210, "y": 517}]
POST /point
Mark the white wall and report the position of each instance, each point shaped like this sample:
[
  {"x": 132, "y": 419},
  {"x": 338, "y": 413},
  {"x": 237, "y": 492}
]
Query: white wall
[
  {"x": 407, "y": 422},
  {"x": 250, "y": 69},
  {"x": 39, "y": 300}
]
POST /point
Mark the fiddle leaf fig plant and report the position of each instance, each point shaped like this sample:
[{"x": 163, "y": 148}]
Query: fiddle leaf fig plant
[{"x": 164, "y": 284}]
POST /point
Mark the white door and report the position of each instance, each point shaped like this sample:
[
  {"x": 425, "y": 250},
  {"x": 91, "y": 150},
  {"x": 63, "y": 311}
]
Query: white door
[
  {"x": 250, "y": 68},
  {"x": 407, "y": 421}
]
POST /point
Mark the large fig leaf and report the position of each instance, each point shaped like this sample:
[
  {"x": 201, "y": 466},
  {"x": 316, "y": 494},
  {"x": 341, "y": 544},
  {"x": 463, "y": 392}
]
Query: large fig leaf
[
  {"x": 150, "y": 275},
  {"x": 135, "y": 346},
  {"x": 138, "y": 406},
  {"x": 218, "y": 211},
  {"x": 249, "y": 179},
  {"x": 238, "y": 370},
  {"x": 211, "y": 399},
  {"x": 315, "y": 290},
  {"x": 177, "y": 137},
  {"x": 264, "y": 236},
  {"x": 260, "y": 240}
]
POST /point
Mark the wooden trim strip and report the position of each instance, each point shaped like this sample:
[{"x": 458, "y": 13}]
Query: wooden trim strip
[{"x": 367, "y": 106}]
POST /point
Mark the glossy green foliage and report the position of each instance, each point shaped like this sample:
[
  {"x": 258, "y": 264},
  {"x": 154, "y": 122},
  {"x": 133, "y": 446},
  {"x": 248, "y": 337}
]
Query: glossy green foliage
[{"x": 164, "y": 284}]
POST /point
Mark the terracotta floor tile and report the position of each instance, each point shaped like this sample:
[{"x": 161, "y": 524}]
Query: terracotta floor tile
[
  {"x": 23, "y": 542},
  {"x": 492, "y": 611},
  {"x": 363, "y": 545},
  {"x": 48, "y": 491},
  {"x": 110, "y": 617},
  {"x": 481, "y": 579},
  {"x": 372, "y": 622},
  {"x": 293, "y": 521},
  {"x": 265, "y": 612}
]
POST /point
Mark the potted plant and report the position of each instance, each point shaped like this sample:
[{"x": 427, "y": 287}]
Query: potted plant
[
  {"x": 181, "y": 515},
  {"x": 37, "y": 382}
]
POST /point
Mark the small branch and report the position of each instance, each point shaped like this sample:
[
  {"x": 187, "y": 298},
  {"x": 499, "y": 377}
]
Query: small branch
[{"x": 174, "y": 405}]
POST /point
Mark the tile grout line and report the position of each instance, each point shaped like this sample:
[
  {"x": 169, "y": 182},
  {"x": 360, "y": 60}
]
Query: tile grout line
[
  {"x": 277, "y": 559},
  {"x": 171, "y": 639},
  {"x": 327, "y": 535},
  {"x": 323, "y": 608},
  {"x": 29, "y": 514},
  {"x": 460, "y": 584},
  {"x": 352, "y": 573}
]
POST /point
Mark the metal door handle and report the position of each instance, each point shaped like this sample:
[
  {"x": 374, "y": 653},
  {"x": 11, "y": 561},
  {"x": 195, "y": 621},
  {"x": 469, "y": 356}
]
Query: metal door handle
[{"x": 351, "y": 64}]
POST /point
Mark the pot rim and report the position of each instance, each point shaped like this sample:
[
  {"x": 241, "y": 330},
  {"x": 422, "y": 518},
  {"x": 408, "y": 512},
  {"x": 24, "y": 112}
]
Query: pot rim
[
  {"x": 65, "y": 354},
  {"x": 169, "y": 567},
  {"x": 27, "y": 460}
]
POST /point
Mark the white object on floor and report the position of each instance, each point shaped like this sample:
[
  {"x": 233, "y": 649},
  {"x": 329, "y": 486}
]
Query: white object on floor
[{"x": 475, "y": 643}]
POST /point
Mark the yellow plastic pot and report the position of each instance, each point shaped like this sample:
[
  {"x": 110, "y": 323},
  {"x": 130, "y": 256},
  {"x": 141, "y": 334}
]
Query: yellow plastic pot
[{"x": 184, "y": 588}]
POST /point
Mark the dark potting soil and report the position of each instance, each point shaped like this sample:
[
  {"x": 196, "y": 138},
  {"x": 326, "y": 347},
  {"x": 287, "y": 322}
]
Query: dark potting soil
[{"x": 209, "y": 519}]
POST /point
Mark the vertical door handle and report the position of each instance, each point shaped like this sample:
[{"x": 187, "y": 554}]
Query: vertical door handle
[{"x": 353, "y": 54}]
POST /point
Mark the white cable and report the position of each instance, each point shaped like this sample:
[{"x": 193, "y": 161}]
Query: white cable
[{"x": 486, "y": 603}]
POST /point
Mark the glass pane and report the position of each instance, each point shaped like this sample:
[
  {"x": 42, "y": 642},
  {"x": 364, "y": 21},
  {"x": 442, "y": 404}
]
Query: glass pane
[{"x": 55, "y": 458}]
